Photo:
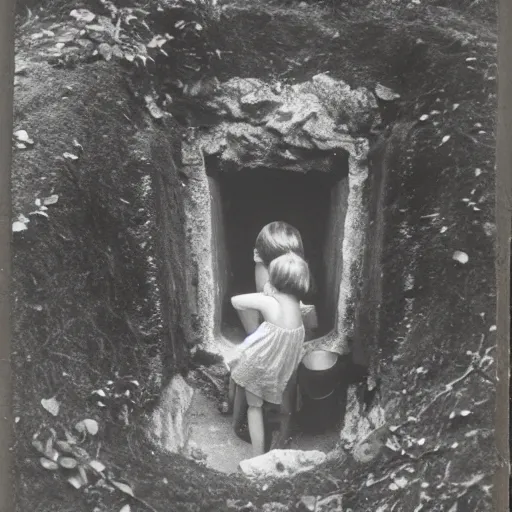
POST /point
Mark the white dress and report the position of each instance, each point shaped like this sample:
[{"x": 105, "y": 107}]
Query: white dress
[{"x": 264, "y": 362}]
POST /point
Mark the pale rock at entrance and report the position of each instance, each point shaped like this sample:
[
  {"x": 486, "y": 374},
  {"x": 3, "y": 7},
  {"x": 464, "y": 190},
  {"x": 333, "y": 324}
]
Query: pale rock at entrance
[{"x": 282, "y": 463}]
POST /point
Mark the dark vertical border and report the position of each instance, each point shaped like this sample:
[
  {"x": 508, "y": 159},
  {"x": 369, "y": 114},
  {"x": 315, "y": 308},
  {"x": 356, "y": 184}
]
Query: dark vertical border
[
  {"x": 503, "y": 225},
  {"x": 6, "y": 94}
]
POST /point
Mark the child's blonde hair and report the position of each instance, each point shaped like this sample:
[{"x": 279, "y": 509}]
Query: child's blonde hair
[
  {"x": 289, "y": 274},
  {"x": 276, "y": 239}
]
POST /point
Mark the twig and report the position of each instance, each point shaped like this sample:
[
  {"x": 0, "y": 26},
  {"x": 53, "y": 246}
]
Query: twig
[{"x": 211, "y": 379}]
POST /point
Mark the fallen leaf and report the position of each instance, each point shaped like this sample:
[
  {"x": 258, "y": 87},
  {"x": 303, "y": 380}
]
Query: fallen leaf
[
  {"x": 80, "y": 454},
  {"x": 198, "y": 27},
  {"x": 69, "y": 156},
  {"x": 76, "y": 482},
  {"x": 48, "y": 464},
  {"x": 82, "y": 15},
  {"x": 123, "y": 488},
  {"x": 68, "y": 462},
  {"x": 23, "y": 219},
  {"x": 64, "y": 446},
  {"x": 385, "y": 93},
  {"x": 153, "y": 108},
  {"x": 105, "y": 51},
  {"x": 51, "y": 405},
  {"x": 77, "y": 144},
  {"x": 424, "y": 117},
  {"x": 97, "y": 466},
  {"x": 39, "y": 212},
  {"x": 83, "y": 474},
  {"x": 461, "y": 257},
  {"x": 22, "y": 136},
  {"x": 157, "y": 42},
  {"x": 87, "y": 425},
  {"x": 446, "y": 138},
  {"x": 50, "y": 200},
  {"x": 126, "y": 508}
]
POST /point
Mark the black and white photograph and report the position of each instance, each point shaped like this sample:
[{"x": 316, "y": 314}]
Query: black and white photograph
[{"x": 254, "y": 256}]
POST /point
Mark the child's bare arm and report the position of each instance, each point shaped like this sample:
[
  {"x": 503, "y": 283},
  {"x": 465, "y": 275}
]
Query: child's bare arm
[{"x": 257, "y": 301}]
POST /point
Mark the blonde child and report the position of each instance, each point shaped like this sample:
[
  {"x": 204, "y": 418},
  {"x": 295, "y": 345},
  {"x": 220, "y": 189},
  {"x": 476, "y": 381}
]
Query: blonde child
[
  {"x": 274, "y": 240},
  {"x": 268, "y": 358}
]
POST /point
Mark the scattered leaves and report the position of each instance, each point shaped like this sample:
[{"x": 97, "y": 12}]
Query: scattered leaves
[
  {"x": 51, "y": 405},
  {"x": 50, "y": 200},
  {"x": 22, "y": 136},
  {"x": 385, "y": 93},
  {"x": 153, "y": 108},
  {"x": 125, "y": 488},
  {"x": 82, "y": 15},
  {"x": 18, "y": 226},
  {"x": 48, "y": 464},
  {"x": 76, "y": 482},
  {"x": 97, "y": 466},
  {"x": 105, "y": 50},
  {"x": 87, "y": 425},
  {"x": 68, "y": 462},
  {"x": 461, "y": 257}
]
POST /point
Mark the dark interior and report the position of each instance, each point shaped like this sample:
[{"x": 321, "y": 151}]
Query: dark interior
[{"x": 252, "y": 198}]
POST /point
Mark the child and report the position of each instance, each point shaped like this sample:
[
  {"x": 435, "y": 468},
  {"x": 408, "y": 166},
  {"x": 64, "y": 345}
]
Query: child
[
  {"x": 267, "y": 359},
  {"x": 274, "y": 240}
]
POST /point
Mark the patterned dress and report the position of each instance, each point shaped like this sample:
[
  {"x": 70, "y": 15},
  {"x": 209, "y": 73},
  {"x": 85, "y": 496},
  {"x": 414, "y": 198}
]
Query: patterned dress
[{"x": 264, "y": 362}]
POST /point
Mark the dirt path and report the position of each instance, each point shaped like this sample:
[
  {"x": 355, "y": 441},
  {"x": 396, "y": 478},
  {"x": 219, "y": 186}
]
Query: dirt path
[{"x": 213, "y": 434}]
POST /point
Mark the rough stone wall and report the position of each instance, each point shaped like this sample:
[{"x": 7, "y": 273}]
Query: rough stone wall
[{"x": 333, "y": 250}]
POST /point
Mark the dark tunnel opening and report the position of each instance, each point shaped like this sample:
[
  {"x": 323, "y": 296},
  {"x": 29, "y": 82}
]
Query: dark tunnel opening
[{"x": 244, "y": 201}]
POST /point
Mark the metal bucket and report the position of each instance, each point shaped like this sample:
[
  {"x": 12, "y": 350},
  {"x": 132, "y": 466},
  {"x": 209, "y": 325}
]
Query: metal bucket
[
  {"x": 319, "y": 380},
  {"x": 319, "y": 374}
]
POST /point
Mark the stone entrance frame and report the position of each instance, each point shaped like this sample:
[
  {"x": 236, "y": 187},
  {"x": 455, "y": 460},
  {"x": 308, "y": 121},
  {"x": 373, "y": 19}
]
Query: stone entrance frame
[{"x": 208, "y": 269}]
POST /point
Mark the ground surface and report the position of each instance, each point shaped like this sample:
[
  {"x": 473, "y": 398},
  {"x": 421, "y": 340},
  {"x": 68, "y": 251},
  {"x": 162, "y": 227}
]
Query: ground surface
[{"x": 214, "y": 436}]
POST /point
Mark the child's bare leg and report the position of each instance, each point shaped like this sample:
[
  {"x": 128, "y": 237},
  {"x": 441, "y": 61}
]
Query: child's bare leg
[
  {"x": 256, "y": 424},
  {"x": 286, "y": 412},
  {"x": 250, "y": 319}
]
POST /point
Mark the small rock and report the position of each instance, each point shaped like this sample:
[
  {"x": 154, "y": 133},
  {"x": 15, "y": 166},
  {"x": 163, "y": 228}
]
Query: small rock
[
  {"x": 282, "y": 463},
  {"x": 385, "y": 93},
  {"x": 461, "y": 257}
]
